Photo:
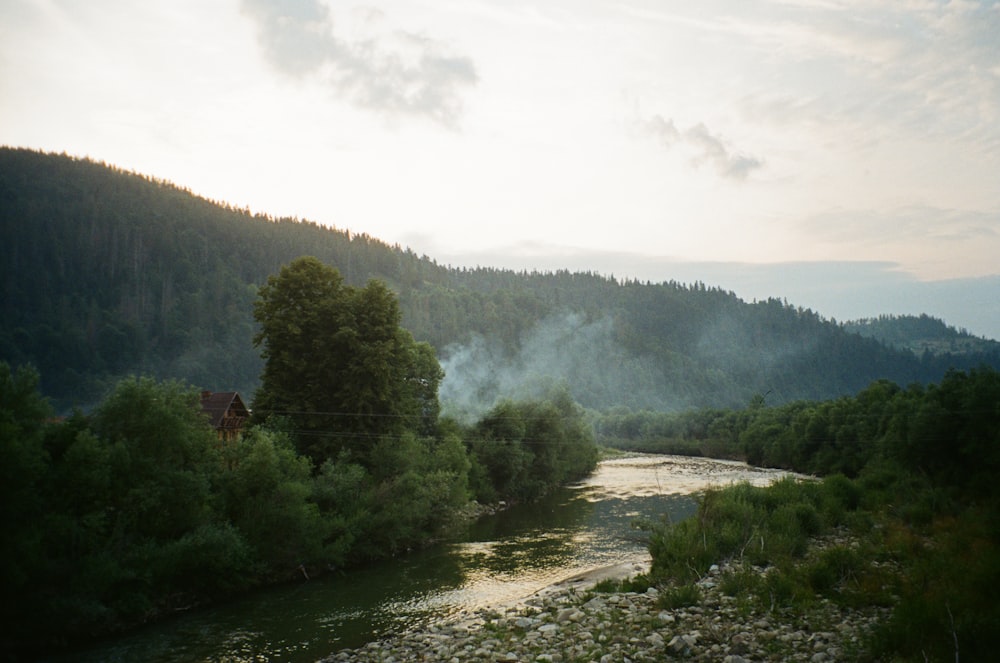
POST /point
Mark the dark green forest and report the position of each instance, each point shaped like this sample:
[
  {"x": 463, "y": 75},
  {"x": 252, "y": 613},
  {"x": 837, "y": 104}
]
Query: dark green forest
[
  {"x": 107, "y": 273},
  {"x": 909, "y": 477},
  {"x": 390, "y": 393},
  {"x": 138, "y": 508},
  {"x": 921, "y": 334}
]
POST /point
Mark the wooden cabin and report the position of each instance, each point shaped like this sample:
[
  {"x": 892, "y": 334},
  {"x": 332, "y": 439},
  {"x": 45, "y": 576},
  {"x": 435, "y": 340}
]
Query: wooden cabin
[{"x": 226, "y": 412}]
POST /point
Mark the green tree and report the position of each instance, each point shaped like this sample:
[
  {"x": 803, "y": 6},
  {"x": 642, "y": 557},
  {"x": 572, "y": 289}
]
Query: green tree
[
  {"x": 23, "y": 464},
  {"x": 338, "y": 364},
  {"x": 523, "y": 449},
  {"x": 164, "y": 458},
  {"x": 267, "y": 497}
]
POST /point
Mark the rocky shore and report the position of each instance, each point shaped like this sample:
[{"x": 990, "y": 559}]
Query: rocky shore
[{"x": 572, "y": 622}]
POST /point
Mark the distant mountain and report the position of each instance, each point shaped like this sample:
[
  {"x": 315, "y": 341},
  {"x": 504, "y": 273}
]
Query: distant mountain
[
  {"x": 923, "y": 334},
  {"x": 107, "y": 273}
]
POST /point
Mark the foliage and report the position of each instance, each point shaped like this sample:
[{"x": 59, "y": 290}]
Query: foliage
[
  {"x": 920, "y": 334},
  {"x": 924, "y": 462},
  {"x": 23, "y": 466},
  {"x": 267, "y": 495},
  {"x": 697, "y": 432},
  {"x": 521, "y": 450},
  {"x": 138, "y": 509},
  {"x": 947, "y": 608},
  {"x": 338, "y": 365},
  {"x": 108, "y": 273},
  {"x": 682, "y": 596}
]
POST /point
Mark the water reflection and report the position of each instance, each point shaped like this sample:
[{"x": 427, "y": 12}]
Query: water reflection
[{"x": 499, "y": 559}]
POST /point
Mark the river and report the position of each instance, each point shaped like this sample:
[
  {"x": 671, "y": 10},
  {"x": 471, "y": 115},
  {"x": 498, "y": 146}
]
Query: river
[{"x": 500, "y": 559}]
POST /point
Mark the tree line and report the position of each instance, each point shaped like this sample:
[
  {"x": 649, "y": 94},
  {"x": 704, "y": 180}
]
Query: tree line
[
  {"x": 908, "y": 487},
  {"x": 946, "y": 430},
  {"x": 107, "y": 273}
]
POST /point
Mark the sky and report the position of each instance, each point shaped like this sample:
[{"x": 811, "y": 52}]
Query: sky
[{"x": 841, "y": 154}]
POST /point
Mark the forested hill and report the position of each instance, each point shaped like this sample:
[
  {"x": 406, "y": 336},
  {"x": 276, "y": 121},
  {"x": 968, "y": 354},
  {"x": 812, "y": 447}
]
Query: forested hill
[
  {"x": 922, "y": 334},
  {"x": 107, "y": 273}
]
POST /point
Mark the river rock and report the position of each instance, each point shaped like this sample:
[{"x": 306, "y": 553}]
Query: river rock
[
  {"x": 683, "y": 645},
  {"x": 574, "y": 624},
  {"x": 548, "y": 629},
  {"x": 569, "y": 615}
]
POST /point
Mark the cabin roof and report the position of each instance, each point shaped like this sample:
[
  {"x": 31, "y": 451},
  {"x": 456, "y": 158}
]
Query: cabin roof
[{"x": 216, "y": 404}]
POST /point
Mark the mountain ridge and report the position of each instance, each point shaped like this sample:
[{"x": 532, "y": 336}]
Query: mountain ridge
[{"x": 109, "y": 273}]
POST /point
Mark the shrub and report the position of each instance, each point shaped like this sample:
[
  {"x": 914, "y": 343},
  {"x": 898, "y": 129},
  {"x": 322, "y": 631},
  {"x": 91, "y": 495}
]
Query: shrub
[
  {"x": 833, "y": 567},
  {"x": 741, "y": 582},
  {"x": 681, "y": 596}
]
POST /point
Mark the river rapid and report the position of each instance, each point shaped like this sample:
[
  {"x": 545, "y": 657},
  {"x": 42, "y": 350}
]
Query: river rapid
[{"x": 586, "y": 530}]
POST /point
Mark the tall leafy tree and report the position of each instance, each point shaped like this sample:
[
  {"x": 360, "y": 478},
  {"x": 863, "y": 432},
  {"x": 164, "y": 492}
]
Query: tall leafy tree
[
  {"x": 337, "y": 364},
  {"x": 23, "y": 463},
  {"x": 164, "y": 458}
]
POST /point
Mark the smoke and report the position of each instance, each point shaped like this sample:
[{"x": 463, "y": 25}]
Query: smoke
[
  {"x": 566, "y": 349},
  {"x": 728, "y": 356}
]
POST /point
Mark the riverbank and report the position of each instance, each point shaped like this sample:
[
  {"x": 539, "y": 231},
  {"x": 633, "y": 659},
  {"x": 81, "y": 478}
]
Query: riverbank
[{"x": 572, "y": 621}]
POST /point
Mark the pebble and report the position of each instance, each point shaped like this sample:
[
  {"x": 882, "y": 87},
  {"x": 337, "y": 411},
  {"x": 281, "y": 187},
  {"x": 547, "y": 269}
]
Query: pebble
[{"x": 575, "y": 624}]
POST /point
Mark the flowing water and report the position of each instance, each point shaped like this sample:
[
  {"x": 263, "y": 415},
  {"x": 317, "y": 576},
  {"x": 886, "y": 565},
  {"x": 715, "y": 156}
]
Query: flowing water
[{"x": 587, "y": 529}]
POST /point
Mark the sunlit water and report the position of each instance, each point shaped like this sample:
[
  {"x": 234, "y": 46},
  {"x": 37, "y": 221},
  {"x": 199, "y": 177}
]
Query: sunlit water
[{"x": 500, "y": 560}]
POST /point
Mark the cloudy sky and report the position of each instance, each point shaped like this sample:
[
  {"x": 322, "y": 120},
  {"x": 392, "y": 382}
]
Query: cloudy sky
[{"x": 844, "y": 154}]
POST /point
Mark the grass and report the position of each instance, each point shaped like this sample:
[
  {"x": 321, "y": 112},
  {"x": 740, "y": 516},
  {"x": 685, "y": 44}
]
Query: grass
[{"x": 934, "y": 566}]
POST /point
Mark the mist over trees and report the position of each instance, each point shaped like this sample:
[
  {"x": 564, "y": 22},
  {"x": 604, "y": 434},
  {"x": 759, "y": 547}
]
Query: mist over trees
[
  {"x": 108, "y": 273},
  {"x": 138, "y": 508},
  {"x": 132, "y": 507}
]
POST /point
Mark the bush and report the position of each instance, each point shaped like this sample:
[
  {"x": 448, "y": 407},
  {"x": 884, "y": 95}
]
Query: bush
[
  {"x": 211, "y": 561},
  {"x": 681, "y": 596},
  {"x": 833, "y": 567},
  {"x": 760, "y": 525},
  {"x": 740, "y": 582}
]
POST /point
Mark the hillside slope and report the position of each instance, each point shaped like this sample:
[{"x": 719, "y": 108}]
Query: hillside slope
[
  {"x": 108, "y": 273},
  {"x": 922, "y": 334}
]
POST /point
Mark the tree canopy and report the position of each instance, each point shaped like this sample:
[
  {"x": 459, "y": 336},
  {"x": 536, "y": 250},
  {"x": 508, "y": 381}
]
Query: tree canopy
[
  {"x": 337, "y": 364},
  {"x": 107, "y": 273}
]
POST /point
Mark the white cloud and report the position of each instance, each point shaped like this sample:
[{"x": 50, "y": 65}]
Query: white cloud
[
  {"x": 706, "y": 147},
  {"x": 889, "y": 66},
  {"x": 396, "y": 72},
  {"x": 875, "y": 121}
]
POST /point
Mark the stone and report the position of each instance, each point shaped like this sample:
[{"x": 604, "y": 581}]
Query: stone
[
  {"x": 548, "y": 629},
  {"x": 568, "y": 615},
  {"x": 681, "y": 645},
  {"x": 739, "y": 643},
  {"x": 563, "y": 626}
]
